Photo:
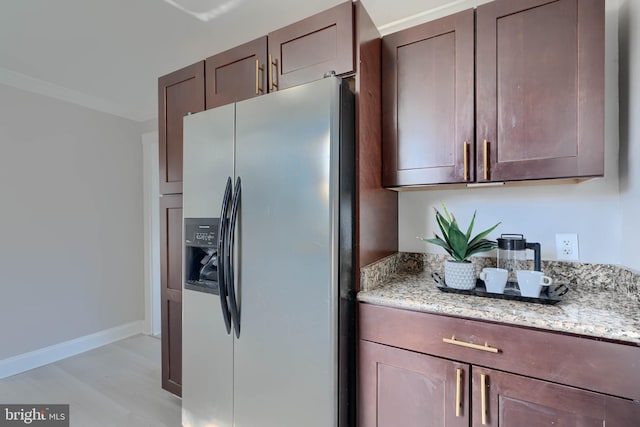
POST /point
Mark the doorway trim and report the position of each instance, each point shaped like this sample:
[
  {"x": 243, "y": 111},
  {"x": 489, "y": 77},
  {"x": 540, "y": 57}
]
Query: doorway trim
[{"x": 151, "y": 207}]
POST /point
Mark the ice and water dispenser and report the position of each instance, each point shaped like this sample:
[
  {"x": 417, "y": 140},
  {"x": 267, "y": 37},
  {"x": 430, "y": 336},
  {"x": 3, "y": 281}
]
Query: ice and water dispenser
[{"x": 201, "y": 254}]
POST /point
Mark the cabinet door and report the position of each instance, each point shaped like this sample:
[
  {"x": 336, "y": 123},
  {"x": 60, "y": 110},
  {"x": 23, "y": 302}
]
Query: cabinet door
[
  {"x": 402, "y": 388},
  {"x": 513, "y": 400},
  {"x": 179, "y": 93},
  {"x": 540, "y": 89},
  {"x": 427, "y": 93},
  {"x": 305, "y": 51},
  {"x": 171, "y": 244},
  {"x": 237, "y": 74}
]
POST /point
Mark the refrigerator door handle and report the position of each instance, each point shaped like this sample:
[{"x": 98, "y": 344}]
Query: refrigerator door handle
[
  {"x": 222, "y": 237},
  {"x": 229, "y": 270}
]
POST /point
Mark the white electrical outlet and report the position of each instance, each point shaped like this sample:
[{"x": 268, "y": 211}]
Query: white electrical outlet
[{"x": 567, "y": 246}]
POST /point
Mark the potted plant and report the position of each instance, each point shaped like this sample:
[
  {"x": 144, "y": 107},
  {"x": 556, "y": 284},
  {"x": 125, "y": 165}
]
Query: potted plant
[{"x": 459, "y": 272}]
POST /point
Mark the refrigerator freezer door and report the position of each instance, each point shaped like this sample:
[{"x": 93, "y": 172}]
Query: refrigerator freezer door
[
  {"x": 208, "y": 155},
  {"x": 207, "y": 348},
  {"x": 286, "y": 355}
]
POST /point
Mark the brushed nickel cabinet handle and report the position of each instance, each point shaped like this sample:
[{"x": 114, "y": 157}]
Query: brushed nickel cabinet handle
[
  {"x": 484, "y": 347},
  {"x": 458, "y": 391},
  {"x": 272, "y": 63},
  {"x": 258, "y": 69},
  {"x": 466, "y": 161},
  {"x": 483, "y": 398},
  {"x": 486, "y": 160}
]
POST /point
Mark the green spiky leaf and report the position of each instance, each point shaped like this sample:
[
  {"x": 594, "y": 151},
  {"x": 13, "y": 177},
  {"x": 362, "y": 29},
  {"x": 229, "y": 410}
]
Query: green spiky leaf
[
  {"x": 483, "y": 234},
  {"x": 470, "y": 229},
  {"x": 456, "y": 243}
]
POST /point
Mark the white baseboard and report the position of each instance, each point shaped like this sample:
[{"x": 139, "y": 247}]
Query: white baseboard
[{"x": 43, "y": 356}]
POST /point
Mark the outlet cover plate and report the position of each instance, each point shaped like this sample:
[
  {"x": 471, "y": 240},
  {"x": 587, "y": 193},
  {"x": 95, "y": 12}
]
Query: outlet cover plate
[{"x": 567, "y": 247}]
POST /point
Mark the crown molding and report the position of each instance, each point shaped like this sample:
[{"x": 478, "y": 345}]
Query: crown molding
[
  {"x": 52, "y": 90},
  {"x": 429, "y": 15}
]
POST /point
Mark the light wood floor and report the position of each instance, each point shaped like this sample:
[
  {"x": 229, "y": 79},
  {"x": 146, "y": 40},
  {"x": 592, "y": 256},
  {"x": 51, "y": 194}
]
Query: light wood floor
[{"x": 117, "y": 385}]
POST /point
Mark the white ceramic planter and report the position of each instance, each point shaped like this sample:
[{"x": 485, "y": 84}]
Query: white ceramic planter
[{"x": 460, "y": 274}]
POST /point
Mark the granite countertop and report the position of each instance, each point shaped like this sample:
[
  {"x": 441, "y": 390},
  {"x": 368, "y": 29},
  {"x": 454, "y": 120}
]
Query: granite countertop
[{"x": 596, "y": 311}]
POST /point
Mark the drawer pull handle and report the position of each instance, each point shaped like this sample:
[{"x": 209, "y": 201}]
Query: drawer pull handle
[
  {"x": 486, "y": 160},
  {"x": 458, "y": 391},
  {"x": 466, "y": 161},
  {"x": 484, "y": 347},
  {"x": 259, "y": 68},
  {"x": 273, "y": 64},
  {"x": 483, "y": 397}
]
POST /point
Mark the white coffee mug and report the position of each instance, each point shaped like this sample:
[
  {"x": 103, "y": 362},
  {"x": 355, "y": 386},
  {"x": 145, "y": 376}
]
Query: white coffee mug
[
  {"x": 494, "y": 279},
  {"x": 531, "y": 282}
]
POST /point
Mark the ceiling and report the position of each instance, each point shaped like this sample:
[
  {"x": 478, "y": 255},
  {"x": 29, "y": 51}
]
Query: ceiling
[{"x": 108, "y": 54}]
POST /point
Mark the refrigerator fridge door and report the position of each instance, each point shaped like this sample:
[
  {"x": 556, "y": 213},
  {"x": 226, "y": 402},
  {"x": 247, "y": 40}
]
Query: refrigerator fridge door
[
  {"x": 287, "y": 156},
  {"x": 207, "y": 357}
]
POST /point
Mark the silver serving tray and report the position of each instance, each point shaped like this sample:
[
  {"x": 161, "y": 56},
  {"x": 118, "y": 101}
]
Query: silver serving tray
[{"x": 550, "y": 294}]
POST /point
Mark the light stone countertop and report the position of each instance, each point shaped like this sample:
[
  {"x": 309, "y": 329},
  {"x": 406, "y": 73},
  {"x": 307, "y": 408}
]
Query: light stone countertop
[{"x": 585, "y": 310}]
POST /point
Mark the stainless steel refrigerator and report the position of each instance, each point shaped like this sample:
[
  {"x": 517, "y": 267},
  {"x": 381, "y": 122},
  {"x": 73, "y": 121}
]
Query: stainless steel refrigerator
[{"x": 268, "y": 300}]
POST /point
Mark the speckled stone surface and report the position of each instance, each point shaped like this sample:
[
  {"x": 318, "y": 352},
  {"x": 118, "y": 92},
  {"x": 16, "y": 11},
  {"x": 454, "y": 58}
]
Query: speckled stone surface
[
  {"x": 604, "y": 300},
  {"x": 378, "y": 273}
]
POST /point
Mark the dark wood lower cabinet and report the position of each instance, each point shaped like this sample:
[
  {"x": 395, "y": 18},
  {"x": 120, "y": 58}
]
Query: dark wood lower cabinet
[
  {"x": 404, "y": 388},
  {"x": 171, "y": 291},
  {"x": 513, "y": 400},
  {"x": 409, "y": 376},
  {"x": 408, "y": 389}
]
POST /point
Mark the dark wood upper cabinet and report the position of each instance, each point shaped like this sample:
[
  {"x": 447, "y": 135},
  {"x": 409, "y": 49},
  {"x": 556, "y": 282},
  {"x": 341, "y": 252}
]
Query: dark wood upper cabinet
[
  {"x": 179, "y": 93},
  {"x": 540, "y": 89},
  {"x": 428, "y": 93},
  {"x": 306, "y": 50},
  {"x": 539, "y": 95},
  {"x": 237, "y": 74},
  {"x": 293, "y": 55}
]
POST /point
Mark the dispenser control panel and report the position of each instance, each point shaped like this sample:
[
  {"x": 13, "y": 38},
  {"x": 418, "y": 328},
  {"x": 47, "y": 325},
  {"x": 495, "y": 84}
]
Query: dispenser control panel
[{"x": 201, "y": 232}]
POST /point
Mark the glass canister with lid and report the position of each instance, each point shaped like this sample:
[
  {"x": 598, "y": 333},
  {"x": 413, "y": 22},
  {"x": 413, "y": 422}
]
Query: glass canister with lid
[{"x": 512, "y": 254}]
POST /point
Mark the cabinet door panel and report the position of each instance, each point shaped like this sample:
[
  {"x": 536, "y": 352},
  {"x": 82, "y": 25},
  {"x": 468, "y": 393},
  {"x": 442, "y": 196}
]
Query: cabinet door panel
[
  {"x": 179, "y": 93},
  {"x": 540, "y": 89},
  {"x": 428, "y": 89},
  {"x": 232, "y": 75},
  {"x": 426, "y": 70},
  {"x": 171, "y": 244},
  {"x": 305, "y": 51},
  {"x": 512, "y": 400},
  {"x": 401, "y": 388}
]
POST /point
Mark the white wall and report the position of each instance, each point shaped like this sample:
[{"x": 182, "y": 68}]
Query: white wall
[
  {"x": 71, "y": 235},
  {"x": 591, "y": 209},
  {"x": 630, "y": 131}
]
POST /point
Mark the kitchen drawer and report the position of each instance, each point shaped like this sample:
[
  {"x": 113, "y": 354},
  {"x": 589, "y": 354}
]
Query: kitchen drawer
[{"x": 603, "y": 366}]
